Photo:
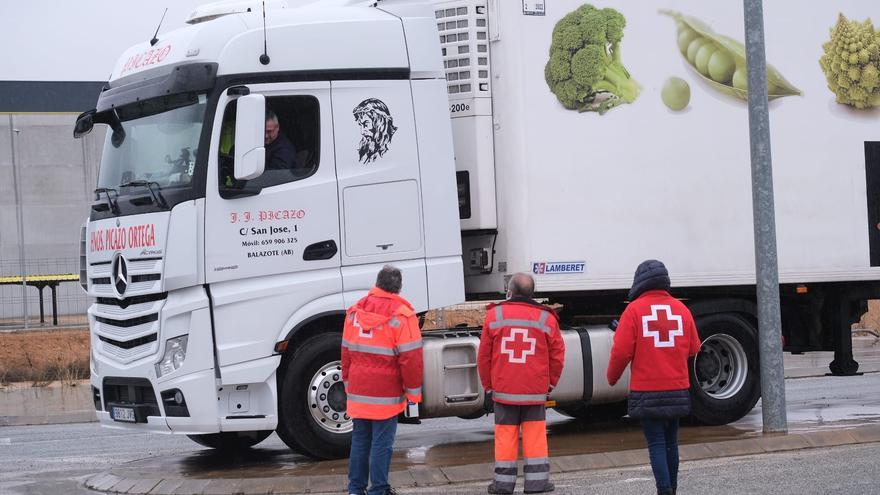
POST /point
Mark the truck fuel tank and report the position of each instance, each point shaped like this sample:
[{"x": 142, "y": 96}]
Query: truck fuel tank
[{"x": 452, "y": 384}]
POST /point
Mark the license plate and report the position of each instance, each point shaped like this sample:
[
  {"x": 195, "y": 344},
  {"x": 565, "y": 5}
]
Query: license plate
[{"x": 123, "y": 414}]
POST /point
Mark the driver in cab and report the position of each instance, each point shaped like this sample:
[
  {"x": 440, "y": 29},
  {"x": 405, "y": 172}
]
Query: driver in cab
[{"x": 280, "y": 152}]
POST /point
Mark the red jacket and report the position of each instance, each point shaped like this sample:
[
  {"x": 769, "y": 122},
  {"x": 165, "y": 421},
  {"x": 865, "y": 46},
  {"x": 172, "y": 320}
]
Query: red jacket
[
  {"x": 657, "y": 334},
  {"x": 381, "y": 356},
  {"x": 521, "y": 352}
]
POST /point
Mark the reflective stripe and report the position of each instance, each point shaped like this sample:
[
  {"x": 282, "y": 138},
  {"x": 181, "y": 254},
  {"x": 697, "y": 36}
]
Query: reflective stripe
[
  {"x": 368, "y": 349},
  {"x": 536, "y": 460},
  {"x": 394, "y": 322},
  {"x": 409, "y": 346},
  {"x": 499, "y": 313},
  {"x": 505, "y": 478},
  {"x": 414, "y": 391},
  {"x": 376, "y": 400},
  {"x": 537, "y": 476},
  {"x": 520, "y": 324},
  {"x": 505, "y": 464},
  {"x": 543, "y": 319},
  {"x": 521, "y": 397}
]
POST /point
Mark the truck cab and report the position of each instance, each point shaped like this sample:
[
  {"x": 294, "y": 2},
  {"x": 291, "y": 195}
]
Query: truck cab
[{"x": 213, "y": 259}]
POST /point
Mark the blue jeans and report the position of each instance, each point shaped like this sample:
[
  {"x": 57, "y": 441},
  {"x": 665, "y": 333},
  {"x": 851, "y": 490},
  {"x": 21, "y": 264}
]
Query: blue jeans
[
  {"x": 662, "y": 437},
  {"x": 371, "y": 447}
]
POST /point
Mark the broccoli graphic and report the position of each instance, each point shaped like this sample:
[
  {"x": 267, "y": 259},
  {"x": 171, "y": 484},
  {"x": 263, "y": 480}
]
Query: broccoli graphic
[
  {"x": 584, "y": 71},
  {"x": 851, "y": 62}
]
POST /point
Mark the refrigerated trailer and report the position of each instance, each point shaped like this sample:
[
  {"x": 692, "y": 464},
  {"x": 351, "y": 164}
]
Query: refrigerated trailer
[{"x": 427, "y": 135}]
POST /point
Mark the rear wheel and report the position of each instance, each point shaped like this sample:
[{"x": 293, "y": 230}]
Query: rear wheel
[
  {"x": 725, "y": 380},
  {"x": 312, "y": 400},
  {"x": 231, "y": 440}
]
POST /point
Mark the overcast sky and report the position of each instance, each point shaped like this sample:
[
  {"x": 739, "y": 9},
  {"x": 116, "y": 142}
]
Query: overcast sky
[{"x": 78, "y": 40}]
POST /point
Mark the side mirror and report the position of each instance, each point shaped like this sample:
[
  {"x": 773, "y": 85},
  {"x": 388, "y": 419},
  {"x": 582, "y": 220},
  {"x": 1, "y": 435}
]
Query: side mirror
[
  {"x": 250, "y": 129},
  {"x": 84, "y": 124}
]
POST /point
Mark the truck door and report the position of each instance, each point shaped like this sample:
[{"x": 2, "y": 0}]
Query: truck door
[
  {"x": 272, "y": 243},
  {"x": 379, "y": 186}
]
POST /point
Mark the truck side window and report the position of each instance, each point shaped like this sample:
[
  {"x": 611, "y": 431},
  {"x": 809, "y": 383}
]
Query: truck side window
[{"x": 292, "y": 137}]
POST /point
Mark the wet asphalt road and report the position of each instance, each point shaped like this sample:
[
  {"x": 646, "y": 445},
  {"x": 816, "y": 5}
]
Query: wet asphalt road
[
  {"x": 846, "y": 470},
  {"x": 53, "y": 459}
]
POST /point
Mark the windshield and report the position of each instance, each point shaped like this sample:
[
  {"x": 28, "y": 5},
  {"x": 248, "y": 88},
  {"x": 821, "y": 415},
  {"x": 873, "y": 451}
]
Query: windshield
[{"x": 159, "y": 144}]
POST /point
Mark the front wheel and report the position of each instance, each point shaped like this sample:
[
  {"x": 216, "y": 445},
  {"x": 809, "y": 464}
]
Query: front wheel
[
  {"x": 231, "y": 440},
  {"x": 312, "y": 400},
  {"x": 725, "y": 380}
]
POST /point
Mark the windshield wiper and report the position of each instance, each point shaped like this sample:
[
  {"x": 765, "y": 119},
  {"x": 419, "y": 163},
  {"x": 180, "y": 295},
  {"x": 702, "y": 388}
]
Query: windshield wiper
[
  {"x": 149, "y": 184},
  {"x": 111, "y": 199}
]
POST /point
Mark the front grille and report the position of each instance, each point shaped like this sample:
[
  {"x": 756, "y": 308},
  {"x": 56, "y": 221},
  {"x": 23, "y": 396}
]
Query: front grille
[
  {"x": 128, "y": 328},
  {"x": 124, "y": 303},
  {"x": 145, "y": 276},
  {"x": 128, "y": 323},
  {"x": 136, "y": 393},
  {"x": 129, "y": 344}
]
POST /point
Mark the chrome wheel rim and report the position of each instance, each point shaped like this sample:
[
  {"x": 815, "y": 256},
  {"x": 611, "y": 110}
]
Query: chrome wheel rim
[
  {"x": 327, "y": 399},
  {"x": 721, "y": 367}
]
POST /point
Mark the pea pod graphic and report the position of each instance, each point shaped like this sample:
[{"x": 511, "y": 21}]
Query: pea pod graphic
[{"x": 721, "y": 61}]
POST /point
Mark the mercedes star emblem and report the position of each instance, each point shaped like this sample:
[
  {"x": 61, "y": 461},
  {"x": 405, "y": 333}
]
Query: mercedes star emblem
[{"x": 119, "y": 275}]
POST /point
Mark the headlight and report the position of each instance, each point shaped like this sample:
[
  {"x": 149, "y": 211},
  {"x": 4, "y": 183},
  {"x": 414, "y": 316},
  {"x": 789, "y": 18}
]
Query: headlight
[{"x": 175, "y": 354}]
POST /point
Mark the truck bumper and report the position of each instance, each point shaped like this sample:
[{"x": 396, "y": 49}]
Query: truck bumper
[{"x": 157, "y": 412}]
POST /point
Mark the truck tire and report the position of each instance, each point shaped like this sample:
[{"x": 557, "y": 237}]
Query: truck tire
[
  {"x": 230, "y": 441},
  {"x": 312, "y": 400},
  {"x": 725, "y": 379},
  {"x": 595, "y": 412}
]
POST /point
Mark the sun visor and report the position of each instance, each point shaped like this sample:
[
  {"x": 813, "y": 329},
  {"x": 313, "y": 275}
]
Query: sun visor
[{"x": 164, "y": 81}]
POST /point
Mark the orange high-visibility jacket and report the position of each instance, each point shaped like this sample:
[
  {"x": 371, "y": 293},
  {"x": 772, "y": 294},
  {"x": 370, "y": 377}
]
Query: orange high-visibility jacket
[
  {"x": 521, "y": 352},
  {"x": 381, "y": 356}
]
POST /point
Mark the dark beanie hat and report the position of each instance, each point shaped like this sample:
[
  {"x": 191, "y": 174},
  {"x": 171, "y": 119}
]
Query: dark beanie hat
[{"x": 651, "y": 274}]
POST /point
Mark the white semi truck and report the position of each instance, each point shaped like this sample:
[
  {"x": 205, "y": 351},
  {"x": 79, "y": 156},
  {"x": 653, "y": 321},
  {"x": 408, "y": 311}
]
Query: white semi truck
[{"x": 435, "y": 136}]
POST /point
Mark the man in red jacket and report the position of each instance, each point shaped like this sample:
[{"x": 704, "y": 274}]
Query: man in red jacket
[
  {"x": 381, "y": 370},
  {"x": 520, "y": 361},
  {"x": 657, "y": 334}
]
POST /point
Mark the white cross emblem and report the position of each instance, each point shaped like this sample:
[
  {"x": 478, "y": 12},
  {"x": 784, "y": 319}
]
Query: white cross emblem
[
  {"x": 664, "y": 326},
  {"x": 518, "y": 345},
  {"x": 363, "y": 333}
]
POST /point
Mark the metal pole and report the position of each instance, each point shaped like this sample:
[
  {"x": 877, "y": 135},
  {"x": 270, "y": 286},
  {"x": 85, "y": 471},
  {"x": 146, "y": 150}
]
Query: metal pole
[
  {"x": 766, "y": 268},
  {"x": 16, "y": 184}
]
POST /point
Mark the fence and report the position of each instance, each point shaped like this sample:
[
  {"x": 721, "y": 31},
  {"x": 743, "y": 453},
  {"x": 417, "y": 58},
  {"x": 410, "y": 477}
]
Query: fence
[{"x": 46, "y": 183}]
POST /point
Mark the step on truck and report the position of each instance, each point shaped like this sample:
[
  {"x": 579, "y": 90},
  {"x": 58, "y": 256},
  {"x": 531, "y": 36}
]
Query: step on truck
[{"x": 461, "y": 141}]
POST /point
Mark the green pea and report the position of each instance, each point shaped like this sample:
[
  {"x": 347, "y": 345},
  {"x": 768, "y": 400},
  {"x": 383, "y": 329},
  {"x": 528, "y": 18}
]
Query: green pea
[
  {"x": 702, "y": 59},
  {"x": 685, "y": 36},
  {"x": 721, "y": 66},
  {"x": 695, "y": 45},
  {"x": 740, "y": 79},
  {"x": 676, "y": 94}
]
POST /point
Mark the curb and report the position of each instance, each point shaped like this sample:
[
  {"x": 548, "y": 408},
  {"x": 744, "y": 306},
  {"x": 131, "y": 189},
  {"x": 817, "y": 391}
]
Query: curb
[{"x": 434, "y": 477}]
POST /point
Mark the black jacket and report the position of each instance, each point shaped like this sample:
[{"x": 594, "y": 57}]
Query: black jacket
[
  {"x": 280, "y": 154},
  {"x": 666, "y": 404}
]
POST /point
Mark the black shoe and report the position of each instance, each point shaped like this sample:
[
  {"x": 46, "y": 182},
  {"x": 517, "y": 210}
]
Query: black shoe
[
  {"x": 668, "y": 491},
  {"x": 549, "y": 487},
  {"x": 493, "y": 489},
  {"x": 391, "y": 491}
]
